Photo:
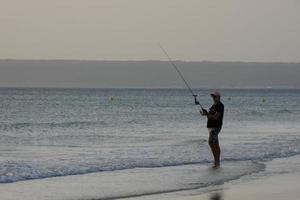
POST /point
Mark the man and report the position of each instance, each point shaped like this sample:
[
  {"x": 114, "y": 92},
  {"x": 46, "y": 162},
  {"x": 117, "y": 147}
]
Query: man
[{"x": 214, "y": 125}]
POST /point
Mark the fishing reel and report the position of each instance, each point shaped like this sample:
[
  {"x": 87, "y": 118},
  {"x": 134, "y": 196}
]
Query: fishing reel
[
  {"x": 198, "y": 103},
  {"x": 195, "y": 96},
  {"x": 196, "y": 100}
]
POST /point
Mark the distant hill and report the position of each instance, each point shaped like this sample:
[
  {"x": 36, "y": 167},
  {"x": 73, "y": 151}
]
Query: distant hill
[{"x": 146, "y": 74}]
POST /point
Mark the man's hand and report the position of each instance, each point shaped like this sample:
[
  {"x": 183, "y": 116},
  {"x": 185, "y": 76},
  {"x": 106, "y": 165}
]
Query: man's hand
[{"x": 203, "y": 112}]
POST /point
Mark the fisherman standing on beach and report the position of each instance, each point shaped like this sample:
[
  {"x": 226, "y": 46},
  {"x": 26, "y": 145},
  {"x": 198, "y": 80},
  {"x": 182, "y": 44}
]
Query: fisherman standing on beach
[
  {"x": 214, "y": 115},
  {"x": 214, "y": 124}
]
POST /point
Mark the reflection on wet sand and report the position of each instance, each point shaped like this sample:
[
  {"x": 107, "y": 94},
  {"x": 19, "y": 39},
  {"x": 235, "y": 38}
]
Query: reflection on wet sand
[{"x": 216, "y": 196}]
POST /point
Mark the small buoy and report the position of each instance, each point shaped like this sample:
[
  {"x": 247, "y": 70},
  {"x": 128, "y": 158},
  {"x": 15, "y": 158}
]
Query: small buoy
[
  {"x": 263, "y": 100},
  {"x": 229, "y": 98},
  {"x": 111, "y": 98}
]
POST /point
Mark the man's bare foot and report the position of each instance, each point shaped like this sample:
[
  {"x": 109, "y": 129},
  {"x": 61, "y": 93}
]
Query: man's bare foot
[{"x": 216, "y": 165}]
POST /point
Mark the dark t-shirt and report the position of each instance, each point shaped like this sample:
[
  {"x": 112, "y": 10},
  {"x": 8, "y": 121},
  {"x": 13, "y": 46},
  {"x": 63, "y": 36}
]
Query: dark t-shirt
[{"x": 216, "y": 123}]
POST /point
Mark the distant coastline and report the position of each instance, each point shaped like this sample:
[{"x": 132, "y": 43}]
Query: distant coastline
[{"x": 147, "y": 74}]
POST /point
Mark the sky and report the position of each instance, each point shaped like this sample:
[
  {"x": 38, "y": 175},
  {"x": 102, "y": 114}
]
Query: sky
[{"x": 191, "y": 30}]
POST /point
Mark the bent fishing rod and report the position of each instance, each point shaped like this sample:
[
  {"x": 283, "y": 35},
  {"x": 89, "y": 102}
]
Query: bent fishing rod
[{"x": 180, "y": 75}]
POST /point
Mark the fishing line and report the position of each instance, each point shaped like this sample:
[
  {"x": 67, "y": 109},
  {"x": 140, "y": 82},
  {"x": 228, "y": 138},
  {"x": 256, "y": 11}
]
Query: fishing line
[{"x": 179, "y": 73}]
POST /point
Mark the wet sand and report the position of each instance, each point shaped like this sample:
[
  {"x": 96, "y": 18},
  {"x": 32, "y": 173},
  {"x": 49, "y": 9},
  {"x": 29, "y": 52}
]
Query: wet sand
[
  {"x": 278, "y": 187},
  {"x": 279, "y": 181}
]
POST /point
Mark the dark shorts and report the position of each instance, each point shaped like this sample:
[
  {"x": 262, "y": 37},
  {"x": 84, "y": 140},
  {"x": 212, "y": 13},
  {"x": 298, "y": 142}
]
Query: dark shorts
[{"x": 213, "y": 135}]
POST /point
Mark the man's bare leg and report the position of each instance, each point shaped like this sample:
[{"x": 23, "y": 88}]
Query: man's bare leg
[
  {"x": 217, "y": 154},
  {"x": 216, "y": 151}
]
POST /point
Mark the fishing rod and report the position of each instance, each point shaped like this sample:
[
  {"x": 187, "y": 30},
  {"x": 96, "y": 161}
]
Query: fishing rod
[{"x": 180, "y": 75}]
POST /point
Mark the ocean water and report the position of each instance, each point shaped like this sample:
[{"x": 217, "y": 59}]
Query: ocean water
[{"x": 48, "y": 133}]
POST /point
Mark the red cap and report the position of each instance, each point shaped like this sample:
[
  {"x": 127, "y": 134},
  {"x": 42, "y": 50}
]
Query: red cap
[{"x": 215, "y": 94}]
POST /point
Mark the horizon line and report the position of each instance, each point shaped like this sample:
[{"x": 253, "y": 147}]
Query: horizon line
[
  {"x": 147, "y": 60},
  {"x": 176, "y": 88}
]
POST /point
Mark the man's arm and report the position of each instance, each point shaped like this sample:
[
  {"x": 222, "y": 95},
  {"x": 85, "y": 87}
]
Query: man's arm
[
  {"x": 203, "y": 112},
  {"x": 215, "y": 116}
]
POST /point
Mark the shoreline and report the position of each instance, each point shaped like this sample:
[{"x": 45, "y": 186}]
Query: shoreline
[{"x": 129, "y": 185}]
